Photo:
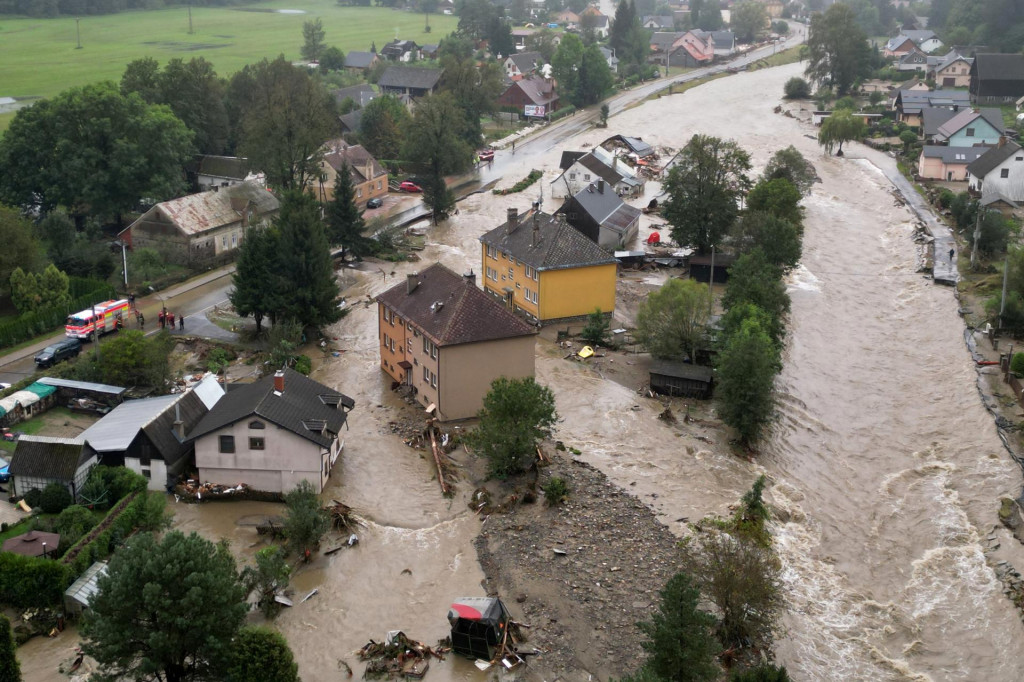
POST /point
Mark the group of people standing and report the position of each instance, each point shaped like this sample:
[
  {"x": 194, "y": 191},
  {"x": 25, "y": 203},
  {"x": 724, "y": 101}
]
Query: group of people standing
[{"x": 165, "y": 318}]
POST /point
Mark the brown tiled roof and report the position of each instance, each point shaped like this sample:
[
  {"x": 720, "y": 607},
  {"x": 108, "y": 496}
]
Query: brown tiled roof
[
  {"x": 539, "y": 90},
  {"x": 451, "y": 310},
  {"x": 337, "y": 152},
  {"x": 31, "y": 543},
  {"x": 560, "y": 246}
]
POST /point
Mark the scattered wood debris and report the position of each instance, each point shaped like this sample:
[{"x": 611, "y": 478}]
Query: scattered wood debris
[{"x": 399, "y": 656}]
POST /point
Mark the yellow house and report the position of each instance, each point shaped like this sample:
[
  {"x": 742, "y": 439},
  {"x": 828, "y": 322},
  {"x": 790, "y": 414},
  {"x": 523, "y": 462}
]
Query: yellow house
[{"x": 541, "y": 266}]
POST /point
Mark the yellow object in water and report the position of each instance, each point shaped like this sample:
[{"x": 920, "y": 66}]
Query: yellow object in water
[{"x": 586, "y": 352}]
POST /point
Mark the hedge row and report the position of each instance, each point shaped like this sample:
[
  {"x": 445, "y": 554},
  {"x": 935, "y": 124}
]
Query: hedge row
[
  {"x": 561, "y": 113},
  {"x": 106, "y": 536},
  {"x": 31, "y": 582},
  {"x": 533, "y": 177},
  {"x": 44, "y": 320}
]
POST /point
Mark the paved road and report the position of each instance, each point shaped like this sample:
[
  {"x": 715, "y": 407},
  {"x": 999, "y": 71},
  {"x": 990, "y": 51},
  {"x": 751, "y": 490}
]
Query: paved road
[{"x": 195, "y": 297}]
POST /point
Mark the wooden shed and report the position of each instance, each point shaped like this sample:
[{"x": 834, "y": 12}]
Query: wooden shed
[{"x": 674, "y": 378}]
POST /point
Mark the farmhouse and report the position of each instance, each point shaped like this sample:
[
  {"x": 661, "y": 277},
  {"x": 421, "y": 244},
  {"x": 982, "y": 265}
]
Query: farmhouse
[
  {"x": 411, "y": 81},
  {"x": 997, "y": 78}
]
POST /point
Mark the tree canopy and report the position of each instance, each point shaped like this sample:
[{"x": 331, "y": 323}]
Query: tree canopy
[
  {"x": 704, "y": 189},
  {"x": 167, "y": 610},
  {"x": 749, "y": 20},
  {"x": 517, "y": 413},
  {"x": 381, "y": 127},
  {"x": 680, "y": 644},
  {"x": 344, "y": 218},
  {"x": 778, "y": 197},
  {"x": 21, "y": 248},
  {"x": 93, "y": 149},
  {"x": 841, "y": 126},
  {"x": 435, "y": 150},
  {"x": 790, "y": 164},
  {"x": 747, "y": 366},
  {"x": 305, "y": 521},
  {"x": 260, "y": 654},
  {"x": 673, "y": 319},
  {"x": 10, "y": 669},
  {"x": 309, "y": 291},
  {"x": 312, "y": 39},
  {"x": 256, "y": 291},
  {"x": 753, "y": 279},
  {"x": 838, "y": 50},
  {"x": 778, "y": 238}
]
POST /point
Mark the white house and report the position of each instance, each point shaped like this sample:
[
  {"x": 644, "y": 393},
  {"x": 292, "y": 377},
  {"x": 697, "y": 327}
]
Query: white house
[{"x": 999, "y": 171}]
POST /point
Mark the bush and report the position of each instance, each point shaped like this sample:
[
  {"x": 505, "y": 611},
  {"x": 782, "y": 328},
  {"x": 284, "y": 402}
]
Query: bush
[
  {"x": 31, "y": 582},
  {"x": 562, "y": 113},
  {"x": 74, "y": 522},
  {"x": 1017, "y": 364},
  {"x": 55, "y": 498},
  {"x": 555, "y": 490},
  {"x": 303, "y": 365},
  {"x": 797, "y": 88},
  {"x": 34, "y": 497},
  {"x": 533, "y": 177}
]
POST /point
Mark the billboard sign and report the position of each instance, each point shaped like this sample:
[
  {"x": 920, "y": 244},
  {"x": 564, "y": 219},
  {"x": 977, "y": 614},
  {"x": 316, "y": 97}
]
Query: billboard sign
[{"x": 537, "y": 110}]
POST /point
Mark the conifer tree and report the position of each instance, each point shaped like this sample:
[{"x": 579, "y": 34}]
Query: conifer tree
[
  {"x": 344, "y": 219},
  {"x": 304, "y": 261},
  {"x": 10, "y": 669}
]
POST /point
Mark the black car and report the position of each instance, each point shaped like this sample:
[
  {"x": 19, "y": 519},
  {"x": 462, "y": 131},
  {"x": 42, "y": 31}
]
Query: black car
[
  {"x": 375, "y": 202},
  {"x": 58, "y": 352}
]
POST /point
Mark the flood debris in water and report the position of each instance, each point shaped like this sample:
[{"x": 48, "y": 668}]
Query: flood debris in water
[{"x": 398, "y": 655}]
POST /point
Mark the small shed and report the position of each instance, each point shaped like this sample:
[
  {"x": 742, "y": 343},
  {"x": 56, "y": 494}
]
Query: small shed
[
  {"x": 85, "y": 395},
  {"x": 34, "y": 543},
  {"x": 700, "y": 267},
  {"x": 478, "y": 626},
  {"x": 681, "y": 379},
  {"x": 78, "y": 597}
]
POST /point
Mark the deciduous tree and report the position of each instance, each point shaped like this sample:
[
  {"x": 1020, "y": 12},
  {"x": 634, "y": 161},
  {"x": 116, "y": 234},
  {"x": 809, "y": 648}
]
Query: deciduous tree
[
  {"x": 475, "y": 90},
  {"x": 382, "y": 127},
  {"x": 790, "y": 164},
  {"x": 752, "y": 279},
  {"x": 766, "y": 672},
  {"x": 195, "y": 94},
  {"x": 436, "y": 150},
  {"x": 680, "y": 643},
  {"x": 92, "y": 149},
  {"x": 132, "y": 359},
  {"x": 332, "y": 59},
  {"x": 778, "y": 197},
  {"x": 312, "y": 39},
  {"x": 305, "y": 521},
  {"x": 596, "y": 330},
  {"x": 260, "y": 654},
  {"x": 704, "y": 189},
  {"x": 749, "y": 20},
  {"x": 743, "y": 580},
  {"x": 842, "y": 126},
  {"x": 286, "y": 116},
  {"x": 673, "y": 319},
  {"x": 517, "y": 413},
  {"x": 747, "y": 366},
  {"x": 838, "y": 50},
  {"x": 797, "y": 88},
  {"x": 778, "y": 238},
  {"x": 267, "y": 577},
  {"x": 167, "y": 610}
]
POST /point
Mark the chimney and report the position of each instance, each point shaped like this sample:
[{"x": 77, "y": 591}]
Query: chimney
[
  {"x": 179, "y": 426},
  {"x": 412, "y": 280},
  {"x": 470, "y": 277},
  {"x": 600, "y": 186},
  {"x": 1002, "y": 141},
  {"x": 513, "y": 220},
  {"x": 279, "y": 381},
  {"x": 535, "y": 239}
]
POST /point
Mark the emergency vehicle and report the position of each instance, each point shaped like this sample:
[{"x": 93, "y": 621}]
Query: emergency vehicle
[{"x": 102, "y": 318}]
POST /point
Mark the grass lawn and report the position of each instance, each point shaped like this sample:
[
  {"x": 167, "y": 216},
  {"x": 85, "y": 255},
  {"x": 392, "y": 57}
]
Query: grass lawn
[
  {"x": 787, "y": 56},
  {"x": 59, "y": 422},
  {"x": 39, "y": 56}
]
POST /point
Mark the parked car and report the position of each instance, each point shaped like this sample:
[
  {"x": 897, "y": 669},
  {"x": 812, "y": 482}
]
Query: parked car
[
  {"x": 58, "y": 352},
  {"x": 485, "y": 154},
  {"x": 375, "y": 202},
  {"x": 5, "y": 470},
  {"x": 409, "y": 186}
]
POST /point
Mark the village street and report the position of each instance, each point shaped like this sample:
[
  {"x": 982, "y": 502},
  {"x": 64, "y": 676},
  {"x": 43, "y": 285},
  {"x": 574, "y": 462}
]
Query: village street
[{"x": 884, "y": 467}]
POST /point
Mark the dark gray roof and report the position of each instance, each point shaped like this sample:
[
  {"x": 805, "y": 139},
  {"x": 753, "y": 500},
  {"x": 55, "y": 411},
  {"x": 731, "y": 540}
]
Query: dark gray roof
[
  {"x": 968, "y": 116},
  {"x": 539, "y": 90},
  {"x": 82, "y": 385},
  {"x": 233, "y": 167},
  {"x": 723, "y": 38},
  {"x": 450, "y": 310},
  {"x": 361, "y": 94},
  {"x": 999, "y": 67},
  {"x": 409, "y": 77},
  {"x": 963, "y": 155},
  {"x": 995, "y": 156},
  {"x": 920, "y": 36},
  {"x": 915, "y": 100},
  {"x": 681, "y": 370},
  {"x": 560, "y": 245},
  {"x": 51, "y": 458},
  {"x": 634, "y": 144},
  {"x": 598, "y": 167},
  {"x": 351, "y": 121},
  {"x": 569, "y": 158},
  {"x": 191, "y": 410},
  {"x": 301, "y": 402},
  {"x": 359, "y": 60},
  {"x": 664, "y": 39},
  {"x": 526, "y": 61},
  {"x": 659, "y": 21},
  {"x": 934, "y": 117},
  {"x": 606, "y": 208},
  {"x": 995, "y": 197}
]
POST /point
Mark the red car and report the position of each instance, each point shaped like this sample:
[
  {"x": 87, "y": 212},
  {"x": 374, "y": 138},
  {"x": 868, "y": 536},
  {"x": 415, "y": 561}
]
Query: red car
[
  {"x": 409, "y": 186},
  {"x": 485, "y": 154}
]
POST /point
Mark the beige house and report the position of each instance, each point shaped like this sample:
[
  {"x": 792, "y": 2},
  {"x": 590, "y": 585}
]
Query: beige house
[
  {"x": 369, "y": 179},
  {"x": 203, "y": 228},
  {"x": 938, "y": 162},
  {"x": 448, "y": 340},
  {"x": 272, "y": 434}
]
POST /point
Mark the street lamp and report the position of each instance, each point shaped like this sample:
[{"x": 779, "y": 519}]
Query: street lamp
[{"x": 44, "y": 550}]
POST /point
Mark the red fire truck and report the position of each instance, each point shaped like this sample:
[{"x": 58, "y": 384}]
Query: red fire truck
[{"x": 102, "y": 318}]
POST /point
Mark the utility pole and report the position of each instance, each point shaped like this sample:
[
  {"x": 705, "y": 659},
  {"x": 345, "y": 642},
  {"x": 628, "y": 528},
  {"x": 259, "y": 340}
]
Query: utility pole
[
  {"x": 78, "y": 32},
  {"x": 711, "y": 281}
]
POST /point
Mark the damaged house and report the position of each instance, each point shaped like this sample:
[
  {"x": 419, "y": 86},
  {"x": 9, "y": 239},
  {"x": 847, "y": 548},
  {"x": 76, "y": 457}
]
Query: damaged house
[{"x": 599, "y": 213}]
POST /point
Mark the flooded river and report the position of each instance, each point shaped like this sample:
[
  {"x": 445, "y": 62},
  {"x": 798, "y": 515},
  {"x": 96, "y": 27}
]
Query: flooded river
[{"x": 885, "y": 467}]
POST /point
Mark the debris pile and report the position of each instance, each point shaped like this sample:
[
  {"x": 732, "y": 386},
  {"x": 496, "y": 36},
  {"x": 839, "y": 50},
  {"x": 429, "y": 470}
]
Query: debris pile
[
  {"x": 399, "y": 656},
  {"x": 192, "y": 489},
  {"x": 342, "y": 517}
]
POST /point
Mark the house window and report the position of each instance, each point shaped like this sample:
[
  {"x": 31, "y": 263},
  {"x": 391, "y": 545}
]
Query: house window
[
  {"x": 1004, "y": 172},
  {"x": 234, "y": 239},
  {"x": 970, "y": 132},
  {"x": 359, "y": 192},
  {"x": 429, "y": 348},
  {"x": 492, "y": 274},
  {"x": 224, "y": 241},
  {"x": 227, "y": 443},
  {"x": 409, "y": 344},
  {"x": 586, "y": 176},
  {"x": 572, "y": 176},
  {"x": 379, "y": 185},
  {"x": 256, "y": 444},
  {"x": 492, "y": 252},
  {"x": 511, "y": 273},
  {"x": 257, "y": 425},
  {"x": 429, "y": 377}
]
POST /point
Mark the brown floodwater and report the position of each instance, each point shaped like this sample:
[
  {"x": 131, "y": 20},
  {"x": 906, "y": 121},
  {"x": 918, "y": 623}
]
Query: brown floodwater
[{"x": 883, "y": 462}]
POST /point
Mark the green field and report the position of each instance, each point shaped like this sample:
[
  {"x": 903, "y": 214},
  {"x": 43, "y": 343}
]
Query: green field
[{"x": 39, "y": 56}]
